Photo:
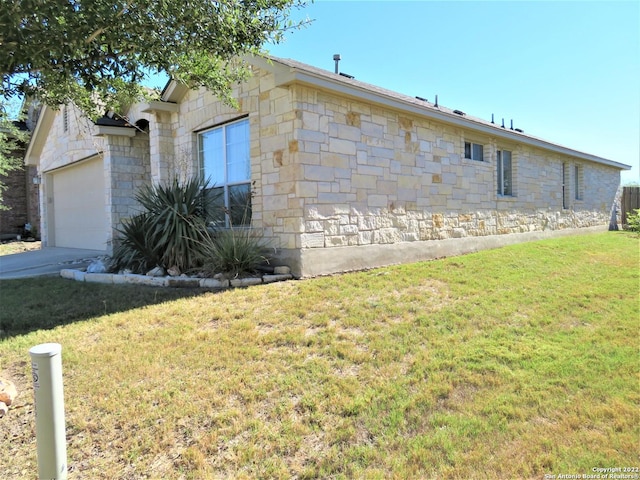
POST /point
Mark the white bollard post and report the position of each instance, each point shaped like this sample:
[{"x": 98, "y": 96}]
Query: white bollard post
[{"x": 46, "y": 364}]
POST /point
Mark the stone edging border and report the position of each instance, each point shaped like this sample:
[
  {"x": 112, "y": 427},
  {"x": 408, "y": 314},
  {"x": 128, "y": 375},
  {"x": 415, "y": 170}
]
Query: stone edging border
[{"x": 175, "y": 282}]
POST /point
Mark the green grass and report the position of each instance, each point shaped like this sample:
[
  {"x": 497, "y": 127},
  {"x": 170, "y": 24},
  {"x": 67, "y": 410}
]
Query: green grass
[{"x": 510, "y": 363}]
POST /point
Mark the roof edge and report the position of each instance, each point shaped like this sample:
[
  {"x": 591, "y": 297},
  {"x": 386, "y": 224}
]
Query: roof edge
[{"x": 291, "y": 72}]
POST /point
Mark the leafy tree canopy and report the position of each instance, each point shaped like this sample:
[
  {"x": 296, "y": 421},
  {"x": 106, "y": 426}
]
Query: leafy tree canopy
[
  {"x": 81, "y": 51},
  {"x": 96, "y": 52}
]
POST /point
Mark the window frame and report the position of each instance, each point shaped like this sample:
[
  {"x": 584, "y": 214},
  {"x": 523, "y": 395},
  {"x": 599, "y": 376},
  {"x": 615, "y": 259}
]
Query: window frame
[
  {"x": 577, "y": 182},
  {"x": 500, "y": 171},
  {"x": 472, "y": 150},
  {"x": 224, "y": 162},
  {"x": 566, "y": 185}
]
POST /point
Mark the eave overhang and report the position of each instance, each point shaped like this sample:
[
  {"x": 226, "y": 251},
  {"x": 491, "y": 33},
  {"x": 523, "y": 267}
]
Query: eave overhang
[{"x": 286, "y": 75}]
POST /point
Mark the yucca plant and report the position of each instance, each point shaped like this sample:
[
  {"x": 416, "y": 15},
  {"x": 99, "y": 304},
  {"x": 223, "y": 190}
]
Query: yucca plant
[
  {"x": 235, "y": 251},
  {"x": 171, "y": 231},
  {"x": 132, "y": 251}
]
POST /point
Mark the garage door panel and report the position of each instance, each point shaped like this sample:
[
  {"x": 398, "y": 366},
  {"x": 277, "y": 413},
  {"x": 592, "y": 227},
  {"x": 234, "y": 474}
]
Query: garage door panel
[{"x": 80, "y": 218}]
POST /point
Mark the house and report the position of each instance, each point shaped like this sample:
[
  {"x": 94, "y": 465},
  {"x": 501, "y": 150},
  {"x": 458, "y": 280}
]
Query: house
[{"x": 343, "y": 175}]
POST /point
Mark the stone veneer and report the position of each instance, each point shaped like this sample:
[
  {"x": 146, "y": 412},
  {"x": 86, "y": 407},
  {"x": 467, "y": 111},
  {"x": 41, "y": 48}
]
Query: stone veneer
[{"x": 332, "y": 173}]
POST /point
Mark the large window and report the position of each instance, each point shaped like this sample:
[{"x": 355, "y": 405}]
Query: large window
[
  {"x": 505, "y": 173},
  {"x": 473, "y": 151},
  {"x": 225, "y": 160}
]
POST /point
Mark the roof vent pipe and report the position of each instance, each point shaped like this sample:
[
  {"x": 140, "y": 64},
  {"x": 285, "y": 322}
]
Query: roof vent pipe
[
  {"x": 503, "y": 122},
  {"x": 436, "y": 104},
  {"x": 492, "y": 118},
  {"x": 512, "y": 124},
  {"x": 336, "y": 58}
]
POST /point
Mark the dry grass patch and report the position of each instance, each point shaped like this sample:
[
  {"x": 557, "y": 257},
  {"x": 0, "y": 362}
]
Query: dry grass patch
[
  {"x": 9, "y": 248},
  {"x": 512, "y": 363}
]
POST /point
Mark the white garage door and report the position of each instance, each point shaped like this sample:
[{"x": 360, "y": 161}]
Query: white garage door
[{"x": 79, "y": 215}]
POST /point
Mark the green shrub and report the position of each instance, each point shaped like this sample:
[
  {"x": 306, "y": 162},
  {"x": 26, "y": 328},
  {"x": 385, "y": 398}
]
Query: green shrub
[
  {"x": 234, "y": 251},
  {"x": 170, "y": 231},
  {"x": 132, "y": 250},
  {"x": 633, "y": 221}
]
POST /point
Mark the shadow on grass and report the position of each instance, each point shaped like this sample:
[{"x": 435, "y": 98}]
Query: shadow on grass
[{"x": 41, "y": 303}]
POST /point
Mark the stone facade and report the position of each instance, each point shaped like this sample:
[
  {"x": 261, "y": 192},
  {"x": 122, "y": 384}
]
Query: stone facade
[
  {"x": 339, "y": 168},
  {"x": 376, "y": 176}
]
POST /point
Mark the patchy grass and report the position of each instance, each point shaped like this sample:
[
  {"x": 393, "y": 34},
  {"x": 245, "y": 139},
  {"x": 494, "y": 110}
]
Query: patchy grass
[{"x": 511, "y": 363}]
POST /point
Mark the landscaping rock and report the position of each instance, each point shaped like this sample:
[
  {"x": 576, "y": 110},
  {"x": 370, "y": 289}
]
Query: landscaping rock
[
  {"x": 173, "y": 271},
  {"x": 68, "y": 274},
  {"x": 282, "y": 270},
  {"x": 98, "y": 278},
  {"x": 8, "y": 393},
  {"x": 245, "y": 282},
  {"x": 276, "y": 278},
  {"x": 214, "y": 283},
  {"x": 159, "y": 277},
  {"x": 156, "y": 272},
  {"x": 183, "y": 282},
  {"x": 97, "y": 266}
]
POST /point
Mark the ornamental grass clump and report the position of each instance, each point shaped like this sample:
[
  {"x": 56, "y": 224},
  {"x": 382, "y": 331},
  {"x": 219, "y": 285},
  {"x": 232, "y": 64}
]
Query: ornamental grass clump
[
  {"x": 233, "y": 247},
  {"x": 170, "y": 232},
  {"x": 234, "y": 252}
]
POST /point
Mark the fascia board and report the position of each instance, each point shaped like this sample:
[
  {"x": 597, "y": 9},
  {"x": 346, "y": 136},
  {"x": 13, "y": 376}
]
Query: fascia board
[
  {"x": 102, "y": 130},
  {"x": 39, "y": 136},
  {"x": 173, "y": 92},
  {"x": 159, "y": 106},
  {"x": 292, "y": 76}
]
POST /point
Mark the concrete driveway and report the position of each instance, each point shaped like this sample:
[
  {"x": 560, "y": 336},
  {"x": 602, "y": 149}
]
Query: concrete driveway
[{"x": 47, "y": 261}]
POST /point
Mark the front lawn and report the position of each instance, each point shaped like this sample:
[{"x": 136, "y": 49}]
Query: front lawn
[{"x": 510, "y": 363}]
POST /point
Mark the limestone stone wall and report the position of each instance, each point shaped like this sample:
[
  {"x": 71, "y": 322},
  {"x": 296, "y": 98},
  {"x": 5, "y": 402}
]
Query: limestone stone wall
[
  {"x": 331, "y": 171},
  {"x": 370, "y": 175},
  {"x": 274, "y": 173},
  {"x": 69, "y": 142},
  {"x": 126, "y": 162},
  {"x": 127, "y": 167}
]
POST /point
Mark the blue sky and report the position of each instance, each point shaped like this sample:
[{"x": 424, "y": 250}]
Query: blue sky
[{"x": 568, "y": 72}]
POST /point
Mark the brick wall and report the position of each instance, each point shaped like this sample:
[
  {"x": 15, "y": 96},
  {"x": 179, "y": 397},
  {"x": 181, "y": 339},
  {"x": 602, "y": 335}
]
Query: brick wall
[{"x": 21, "y": 199}]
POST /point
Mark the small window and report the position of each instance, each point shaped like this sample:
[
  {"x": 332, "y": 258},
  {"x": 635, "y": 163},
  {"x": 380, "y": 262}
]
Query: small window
[
  {"x": 577, "y": 178},
  {"x": 225, "y": 160},
  {"x": 505, "y": 173},
  {"x": 473, "y": 151}
]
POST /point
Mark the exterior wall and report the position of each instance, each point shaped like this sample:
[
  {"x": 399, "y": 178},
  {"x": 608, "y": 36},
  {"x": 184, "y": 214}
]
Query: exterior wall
[
  {"x": 64, "y": 146},
  {"x": 271, "y": 124},
  {"x": 372, "y": 176},
  {"x": 21, "y": 200},
  {"x": 330, "y": 172},
  {"x": 14, "y": 198},
  {"x": 127, "y": 168}
]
